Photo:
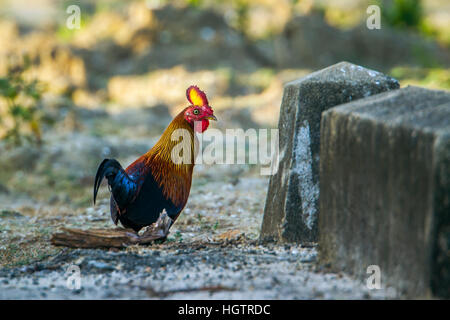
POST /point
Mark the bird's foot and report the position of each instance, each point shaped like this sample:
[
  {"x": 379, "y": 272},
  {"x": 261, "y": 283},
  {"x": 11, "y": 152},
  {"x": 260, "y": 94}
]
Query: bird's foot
[{"x": 156, "y": 231}]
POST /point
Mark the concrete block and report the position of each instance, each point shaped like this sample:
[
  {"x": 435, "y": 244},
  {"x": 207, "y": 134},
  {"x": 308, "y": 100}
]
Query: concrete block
[
  {"x": 291, "y": 207},
  {"x": 385, "y": 189}
]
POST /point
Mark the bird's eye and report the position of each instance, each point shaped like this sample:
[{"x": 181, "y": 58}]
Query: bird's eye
[{"x": 196, "y": 112}]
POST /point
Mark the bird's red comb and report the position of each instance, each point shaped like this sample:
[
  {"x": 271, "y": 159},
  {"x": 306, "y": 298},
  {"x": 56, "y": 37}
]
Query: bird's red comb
[{"x": 196, "y": 96}]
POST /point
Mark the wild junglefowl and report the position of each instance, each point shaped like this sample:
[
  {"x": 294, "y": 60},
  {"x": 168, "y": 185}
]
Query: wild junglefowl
[{"x": 155, "y": 181}]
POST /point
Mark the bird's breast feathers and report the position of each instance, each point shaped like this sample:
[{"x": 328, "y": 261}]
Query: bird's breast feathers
[{"x": 174, "y": 181}]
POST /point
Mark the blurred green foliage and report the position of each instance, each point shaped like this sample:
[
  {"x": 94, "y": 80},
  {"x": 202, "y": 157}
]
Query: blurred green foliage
[
  {"x": 19, "y": 117},
  {"x": 402, "y": 13},
  {"x": 429, "y": 77},
  {"x": 410, "y": 14},
  {"x": 194, "y": 3}
]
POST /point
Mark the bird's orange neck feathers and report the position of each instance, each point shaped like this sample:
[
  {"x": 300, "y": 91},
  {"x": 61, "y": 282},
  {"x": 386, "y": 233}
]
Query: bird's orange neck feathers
[
  {"x": 171, "y": 138},
  {"x": 174, "y": 178}
]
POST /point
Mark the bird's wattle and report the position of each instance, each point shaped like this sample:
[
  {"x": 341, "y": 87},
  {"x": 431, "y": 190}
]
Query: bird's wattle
[
  {"x": 204, "y": 125},
  {"x": 199, "y": 125}
]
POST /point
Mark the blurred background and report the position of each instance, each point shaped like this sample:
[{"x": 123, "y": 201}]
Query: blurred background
[{"x": 71, "y": 97}]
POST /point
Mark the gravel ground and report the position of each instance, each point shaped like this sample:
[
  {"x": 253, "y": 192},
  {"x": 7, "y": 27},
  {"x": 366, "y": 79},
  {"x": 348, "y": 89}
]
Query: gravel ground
[{"x": 235, "y": 270}]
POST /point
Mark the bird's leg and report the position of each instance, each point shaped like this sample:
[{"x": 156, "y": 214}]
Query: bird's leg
[{"x": 157, "y": 230}]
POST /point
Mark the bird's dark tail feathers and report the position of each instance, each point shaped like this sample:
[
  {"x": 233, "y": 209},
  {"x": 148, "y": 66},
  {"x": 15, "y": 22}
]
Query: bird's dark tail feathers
[
  {"x": 123, "y": 188},
  {"x": 109, "y": 169}
]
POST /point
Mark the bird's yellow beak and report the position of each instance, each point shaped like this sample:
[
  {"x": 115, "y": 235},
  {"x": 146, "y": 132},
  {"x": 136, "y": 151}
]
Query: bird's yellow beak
[{"x": 211, "y": 117}]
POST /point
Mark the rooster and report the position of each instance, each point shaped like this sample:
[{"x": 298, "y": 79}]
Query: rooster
[{"x": 155, "y": 182}]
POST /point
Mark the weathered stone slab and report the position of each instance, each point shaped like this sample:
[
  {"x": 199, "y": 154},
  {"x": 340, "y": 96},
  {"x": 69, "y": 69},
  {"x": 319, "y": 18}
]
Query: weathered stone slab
[
  {"x": 291, "y": 208},
  {"x": 385, "y": 189}
]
